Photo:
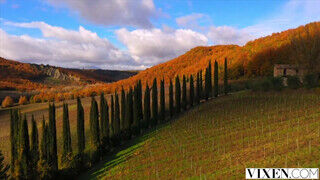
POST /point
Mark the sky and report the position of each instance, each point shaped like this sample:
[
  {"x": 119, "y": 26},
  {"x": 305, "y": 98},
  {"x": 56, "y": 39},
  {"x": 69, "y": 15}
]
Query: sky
[{"x": 137, "y": 34}]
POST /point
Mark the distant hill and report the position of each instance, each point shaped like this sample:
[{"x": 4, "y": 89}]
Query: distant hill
[
  {"x": 25, "y": 76},
  {"x": 256, "y": 58}
]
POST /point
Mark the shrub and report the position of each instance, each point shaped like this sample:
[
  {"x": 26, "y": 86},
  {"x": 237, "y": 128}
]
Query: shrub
[
  {"x": 277, "y": 83},
  {"x": 293, "y": 82},
  {"x": 23, "y": 100},
  {"x": 7, "y": 102},
  {"x": 261, "y": 85},
  {"x": 310, "y": 81}
]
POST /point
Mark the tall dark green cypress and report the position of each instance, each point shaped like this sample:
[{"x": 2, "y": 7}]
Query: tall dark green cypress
[
  {"x": 184, "y": 93},
  {"x": 94, "y": 125},
  {"x": 66, "y": 135},
  {"x": 225, "y": 78},
  {"x": 162, "y": 101},
  {"x": 191, "y": 91},
  {"x": 34, "y": 143},
  {"x": 102, "y": 115},
  {"x": 147, "y": 112},
  {"x": 123, "y": 111},
  {"x": 116, "y": 115},
  {"x": 216, "y": 79},
  {"x": 200, "y": 85},
  {"x": 198, "y": 89},
  {"x": 136, "y": 115},
  {"x": 129, "y": 114},
  {"x": 140, "y": 108},
  {"x": 80, "y": 127},
  {"x": 112, "y": 117},
  {"x": 44, "y": 142},
  {"x": 14, "y": 136},
  {"x": 53, "y": 156},
  {"x": 206, "y": 84},
  {"x": 154, "y": 103},
  {"x": 178, "y": 95},
  {"x": 210, "y": 79},
  {"x": 24, "y": 167},
  {"x": 171, "y": 101}
]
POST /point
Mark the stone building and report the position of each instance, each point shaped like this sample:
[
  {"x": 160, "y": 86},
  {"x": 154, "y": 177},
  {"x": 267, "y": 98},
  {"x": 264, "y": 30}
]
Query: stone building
[{"x": 284, "y": 70}]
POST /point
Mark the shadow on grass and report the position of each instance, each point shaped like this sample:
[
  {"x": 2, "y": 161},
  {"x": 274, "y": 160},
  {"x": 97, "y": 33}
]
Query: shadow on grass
[{"x": 121, "y": 153}]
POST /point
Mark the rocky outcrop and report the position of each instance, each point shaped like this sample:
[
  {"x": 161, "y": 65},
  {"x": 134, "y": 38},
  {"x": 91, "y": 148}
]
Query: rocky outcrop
[{"x": 56, "y": 73}]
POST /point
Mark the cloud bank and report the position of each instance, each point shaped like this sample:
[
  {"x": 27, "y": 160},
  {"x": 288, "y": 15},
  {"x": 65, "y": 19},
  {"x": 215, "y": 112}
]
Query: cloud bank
[
  {"x": 62, "y": 47},
  {"x": 135, "y": 13}
]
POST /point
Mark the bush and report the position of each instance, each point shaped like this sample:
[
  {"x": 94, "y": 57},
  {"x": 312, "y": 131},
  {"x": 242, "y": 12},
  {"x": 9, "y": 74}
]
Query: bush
[
  {"x": 261, "y": 85},
  {"x": 7, "y": 102},
  {"x": 23, "y": 100},
  {"x": 310, "y": 81},
  {"x": 277, "y": 83},
  {"x": 293, "y": 82}
]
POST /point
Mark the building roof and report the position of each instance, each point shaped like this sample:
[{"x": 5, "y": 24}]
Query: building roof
[{"x": 286, "y": 66}]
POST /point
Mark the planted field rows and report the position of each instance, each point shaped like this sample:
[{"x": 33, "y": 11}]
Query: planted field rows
[{"x": 223, "y": 136}]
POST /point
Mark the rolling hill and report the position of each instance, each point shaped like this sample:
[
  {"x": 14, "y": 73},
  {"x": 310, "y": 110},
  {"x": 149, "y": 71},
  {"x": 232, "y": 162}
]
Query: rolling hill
[
  {"x": 256, "y": 58},
  {"x": 24, "y": 76}
]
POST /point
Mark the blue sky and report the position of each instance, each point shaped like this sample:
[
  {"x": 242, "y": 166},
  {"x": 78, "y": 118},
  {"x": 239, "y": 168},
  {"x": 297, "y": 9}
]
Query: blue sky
[{"x": 127, "y": 34}]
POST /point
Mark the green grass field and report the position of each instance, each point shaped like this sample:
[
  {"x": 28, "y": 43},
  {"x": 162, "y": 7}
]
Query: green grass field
[{"x": 220, "y": 138}]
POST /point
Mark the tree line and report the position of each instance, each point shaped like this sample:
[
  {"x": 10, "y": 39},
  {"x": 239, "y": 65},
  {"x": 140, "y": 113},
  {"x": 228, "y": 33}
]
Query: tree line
[{"x": 111, "y": 124}]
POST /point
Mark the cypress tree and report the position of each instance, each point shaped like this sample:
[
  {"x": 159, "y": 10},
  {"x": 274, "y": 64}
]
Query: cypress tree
[
  {"x": 200, "y": 85},
  {"x": 184, "y": 93},
  {"x": 147, "y": 112},
  {"x": 178, "y": 95},
  {"x": 116, "y": 116},
  {"x": 80, "y": 127},
  {"x": 112, "y": 118},
  {"x": 44, "y": 142},
  {"x": 24, "y": 167},
  {"x": 102, "y": 115},
  {"x": 210, "y": 79},
  {"x": 66, "y": 135},
  {"x": 154, "y": 103},
  {"x": 136, "y": 116},
  {"x": 216, "y": 85},
  {"x": 129, "y": 114},
  {"x": 191, "y": 93},
  {"x": 162, "y": 101},
  {"x": 53, "y": 156},
  {"x": 94, "y": 125},
  {"x": 206, "y": 83},
  {"x": 225, "y": 78},
  {"x": 123, "y": 110},
  {"x": 34, "y": 143},
  {"x": 106, "y": 136},
  {"x": 198, "y": 89},
  {"x": 3, "y": 168},
  {"x": 171, "y": 106},
  {"x": 43, "y": 167},
  {"x": 140, "y": 109},
  {"x": 14, "y": 133}
]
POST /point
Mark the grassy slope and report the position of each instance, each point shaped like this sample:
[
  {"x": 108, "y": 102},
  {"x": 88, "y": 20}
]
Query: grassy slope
[{"x": 222, "y": 137}]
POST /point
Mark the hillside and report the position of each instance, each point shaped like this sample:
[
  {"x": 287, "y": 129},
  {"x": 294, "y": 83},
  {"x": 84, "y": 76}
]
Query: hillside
[
  {"x": 24, "y": 76},
  {"x": 221, "y": 137},
  {"x": 256, "y": 58}
]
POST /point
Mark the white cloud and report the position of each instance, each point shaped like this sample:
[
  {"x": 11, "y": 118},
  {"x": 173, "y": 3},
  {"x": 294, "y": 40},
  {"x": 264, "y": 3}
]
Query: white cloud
[
  {"x": 228, "y": 35},
  {"x": 189, "y": 20},
  {"x": 153, "y": 46},
  {"x": 62, "y": 47},
  {"x": 135, "y": 13}
]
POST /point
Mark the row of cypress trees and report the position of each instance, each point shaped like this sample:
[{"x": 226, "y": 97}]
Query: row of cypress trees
[{"x": 109, "y": 126}]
